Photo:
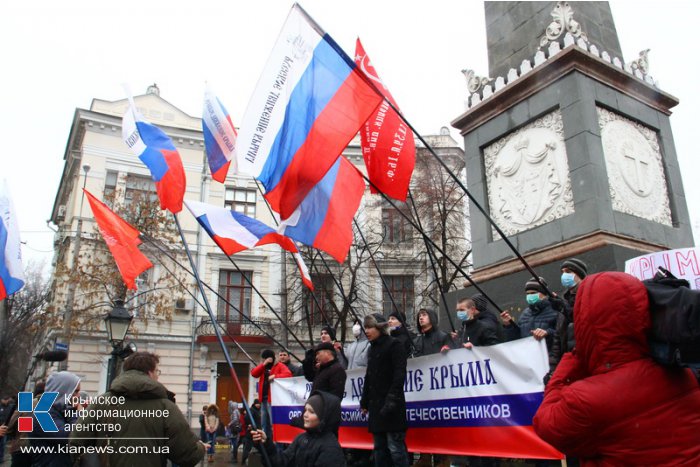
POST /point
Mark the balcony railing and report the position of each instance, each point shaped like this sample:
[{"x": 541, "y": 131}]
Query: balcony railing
[{"x": 258, "y": 327}]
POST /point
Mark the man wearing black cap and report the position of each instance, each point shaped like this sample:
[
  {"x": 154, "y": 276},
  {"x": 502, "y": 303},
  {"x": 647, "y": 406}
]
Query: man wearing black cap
[
  {"x": 573, "y": 271},
  {"x": 382, "y": 394},
  {"x": 327, "y": 336},
  {"x": 328, "y": 375},
  {"x": 539, "y": 318}
]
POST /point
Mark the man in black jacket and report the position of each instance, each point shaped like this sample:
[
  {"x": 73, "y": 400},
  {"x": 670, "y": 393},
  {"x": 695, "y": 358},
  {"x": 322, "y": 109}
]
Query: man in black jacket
[
  {"x": 328, "y": 375},
  {"x": 382, "y": 394},
  {"x": 473, "y": 332},
  {"x": 431, "y": 340}
]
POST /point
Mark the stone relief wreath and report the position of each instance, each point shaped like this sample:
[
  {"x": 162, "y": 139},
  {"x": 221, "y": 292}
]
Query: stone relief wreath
[
  {"x": 636, "y": 175},
  {"x": 528, "y": 176}
]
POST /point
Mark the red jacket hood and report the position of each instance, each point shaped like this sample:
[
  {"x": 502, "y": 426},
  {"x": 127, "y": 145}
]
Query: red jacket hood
[{"x": 611, "y": 321}]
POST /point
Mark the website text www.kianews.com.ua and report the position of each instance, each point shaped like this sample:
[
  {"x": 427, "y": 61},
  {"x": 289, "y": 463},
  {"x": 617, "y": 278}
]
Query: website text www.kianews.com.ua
[{"x": 106, "y": 449}]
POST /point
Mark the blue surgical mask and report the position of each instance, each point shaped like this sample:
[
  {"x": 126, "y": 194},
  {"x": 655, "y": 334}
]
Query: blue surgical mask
[
  {"x": 462, "y": 315},
  {"x": 567, "y": 279},
  {"x": 532, "y": 298}
]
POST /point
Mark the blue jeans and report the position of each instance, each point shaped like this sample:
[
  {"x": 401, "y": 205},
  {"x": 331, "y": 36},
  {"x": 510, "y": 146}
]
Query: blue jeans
[
  {"x": 211, "y": 439},
  {"x": 266, "y": 420},
  {"x": 390, "y": 449}
]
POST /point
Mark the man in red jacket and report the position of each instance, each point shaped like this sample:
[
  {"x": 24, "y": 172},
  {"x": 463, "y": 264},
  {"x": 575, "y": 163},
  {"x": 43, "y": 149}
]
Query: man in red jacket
[
  {"x": 267, "y": 371},
  {"x": 608, "y": 403}
]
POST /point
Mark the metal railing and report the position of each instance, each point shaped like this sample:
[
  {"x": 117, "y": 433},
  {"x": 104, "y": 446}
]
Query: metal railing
[{"x": 261, "y": 327}]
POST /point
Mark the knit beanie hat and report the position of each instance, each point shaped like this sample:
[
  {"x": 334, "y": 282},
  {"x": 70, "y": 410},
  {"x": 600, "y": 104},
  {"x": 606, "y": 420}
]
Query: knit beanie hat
[
  {"x": 267, "y": 353},
  {"x": 576, "y": 266},
  {"x": 399, "y": 316},
  {"x": 532, "y": 284},
  {"x": 316, "y": 403},
  {"x": 480, "y": 302},
  {"x": 330, "y": 331},
  {"x": 378, "y": 321}
]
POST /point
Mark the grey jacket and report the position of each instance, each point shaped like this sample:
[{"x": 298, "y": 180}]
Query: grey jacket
[{"x": 356, "y": 352}]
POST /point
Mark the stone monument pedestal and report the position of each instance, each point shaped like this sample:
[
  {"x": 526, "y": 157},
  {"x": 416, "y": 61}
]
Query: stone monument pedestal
[{"x": 572, "y": 155}]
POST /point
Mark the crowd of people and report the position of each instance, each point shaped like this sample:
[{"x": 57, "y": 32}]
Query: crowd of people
[{"x": 606, "y": 401}]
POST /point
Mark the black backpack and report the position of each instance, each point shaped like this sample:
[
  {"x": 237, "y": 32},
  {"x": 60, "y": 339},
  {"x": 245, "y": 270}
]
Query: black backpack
[{"x": 675, "y": 317}]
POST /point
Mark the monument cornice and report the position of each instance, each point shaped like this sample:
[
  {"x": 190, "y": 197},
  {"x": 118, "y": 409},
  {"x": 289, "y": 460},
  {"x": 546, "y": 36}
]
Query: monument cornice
[
  {"x": 571, "y": 248},
  {"x": 568, "y": 60}
]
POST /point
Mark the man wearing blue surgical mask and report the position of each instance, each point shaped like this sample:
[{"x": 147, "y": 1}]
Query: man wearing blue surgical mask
[
  {"x": 472, "y": 331},
  {"x": 539, "y": 318},
  {"x": 573, "y": 271}
]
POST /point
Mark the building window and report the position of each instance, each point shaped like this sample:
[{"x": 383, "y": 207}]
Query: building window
[
  {"x": 110, "y": 187},
  {"x": 237, "y": 292},
  {"x": 401, "y": 289},
  {"x": 241, "y": 200},
  {"x": 139, "y": 188},
  {"x": 139, "y": 303},
  {"x": 396, "y": 228},
  {"x": 324, "y": 287}
]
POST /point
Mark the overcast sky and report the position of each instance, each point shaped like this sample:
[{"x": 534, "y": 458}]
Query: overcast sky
[{"x": 59, "y": 55}]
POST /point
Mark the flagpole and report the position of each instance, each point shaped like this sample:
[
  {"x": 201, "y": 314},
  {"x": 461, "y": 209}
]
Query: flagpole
[
  {"x": 430, "y": 253},
  {"x": 218, "y": 335},
  {"x": 313, "y": 295},
  {"x": 459, "y": 183},
  {"x": 381, "y": 276},
  {"x": 194, "y": 297},
  {"x": 346, "y": 300},
  {"x": 415, "y": 226},
  {"x": 249, "y": 282},
  {"x": 376, "y": 266},
  {"x": 211, "y": 289}
]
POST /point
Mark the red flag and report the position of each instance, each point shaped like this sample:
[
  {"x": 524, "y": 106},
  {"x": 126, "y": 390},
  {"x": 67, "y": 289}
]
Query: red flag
[
  {"x": 122, "y": 240},
  {"x": 387, "y": 142}
]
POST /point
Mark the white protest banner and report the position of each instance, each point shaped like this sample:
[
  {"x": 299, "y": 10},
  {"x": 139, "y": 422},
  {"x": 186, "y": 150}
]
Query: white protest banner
[
  {"x": 465, "y": 402},
  {"x": 682, "y": 263}
]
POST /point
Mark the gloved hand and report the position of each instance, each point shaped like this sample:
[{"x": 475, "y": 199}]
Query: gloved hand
[{"x": 389, "y": 407}]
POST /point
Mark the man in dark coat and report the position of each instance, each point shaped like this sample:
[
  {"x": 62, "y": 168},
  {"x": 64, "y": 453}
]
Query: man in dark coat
[
  {"x": 487, "y": 317},
  {"x": 318, "y": 446},
  {"x": 382, "y": 394},
  {"x": 6, "y": 408},
  {"x": 473, "y": 332},
  {"x": 398, "y": 329},
  {"x": 327, "y": 336},
  {"x": 329, "y": 374},
  {"x": 573, "y": 271},
  {"x": 165, "y": 437},
  {"x": 431, "y": 340},
  {"x": 255, "y": 411},
  {"x": 538, "y": 320}
]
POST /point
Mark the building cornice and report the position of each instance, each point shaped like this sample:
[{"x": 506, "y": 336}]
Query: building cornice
[{"x": 570, "y": 59}]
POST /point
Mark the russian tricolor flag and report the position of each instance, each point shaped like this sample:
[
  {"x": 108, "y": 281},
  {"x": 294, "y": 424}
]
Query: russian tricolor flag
[
  {"x": 234, "y": 232},
  {"x": 157, "y": 151},
  {"x": 219, "y": 136},
  {"x": 310, "y": 101},
  {"x": 324, "y": 219},
  {"x": 11, "y": 271}
]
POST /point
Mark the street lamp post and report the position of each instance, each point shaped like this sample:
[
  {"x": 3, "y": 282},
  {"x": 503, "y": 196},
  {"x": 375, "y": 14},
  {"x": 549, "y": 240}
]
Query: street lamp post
[{"x": 117, "y": 323}]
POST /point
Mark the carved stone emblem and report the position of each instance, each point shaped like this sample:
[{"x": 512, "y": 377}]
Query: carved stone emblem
[
  {"x": 562, "y": 22},
  {"x": 635, "y": 168},
  {"x": 528, "y": 176}
]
